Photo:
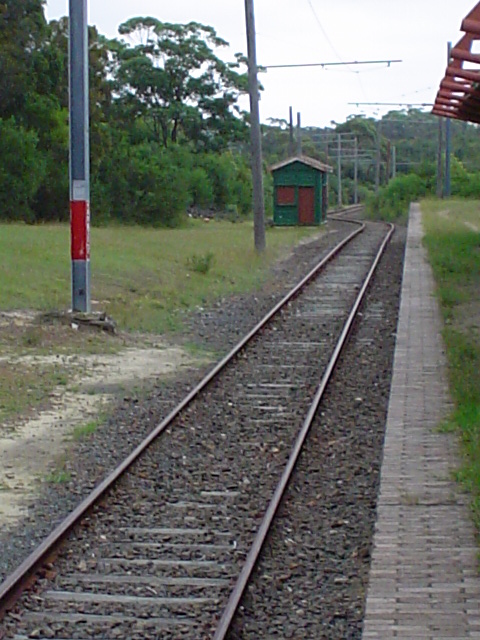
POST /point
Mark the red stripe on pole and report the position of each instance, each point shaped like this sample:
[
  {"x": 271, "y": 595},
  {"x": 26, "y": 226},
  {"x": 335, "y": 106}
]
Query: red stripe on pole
[{"x": 79, "y": 223}]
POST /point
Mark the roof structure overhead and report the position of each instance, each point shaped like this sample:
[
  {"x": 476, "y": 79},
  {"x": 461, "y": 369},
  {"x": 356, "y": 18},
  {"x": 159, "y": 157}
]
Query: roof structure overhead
[
  {"x": 459, "y": 93},
  {"x": 311, "y": 162}
]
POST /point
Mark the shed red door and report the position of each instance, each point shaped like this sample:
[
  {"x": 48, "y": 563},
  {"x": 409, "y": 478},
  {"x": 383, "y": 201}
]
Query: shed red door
[{"x": 306, "y": 205}]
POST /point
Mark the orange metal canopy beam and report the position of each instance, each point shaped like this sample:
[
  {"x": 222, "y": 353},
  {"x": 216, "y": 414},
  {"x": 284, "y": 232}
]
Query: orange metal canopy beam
[
  {"x": 459, "y": 93},
  {"x": 456, "y": 87},
  {"x": 471, "y": 24}
]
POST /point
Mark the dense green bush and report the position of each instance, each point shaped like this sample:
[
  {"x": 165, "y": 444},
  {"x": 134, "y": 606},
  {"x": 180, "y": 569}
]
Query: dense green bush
[
  {"x": 364, "y": 193},
  {"x": 200, "y": 187},
  {"x": 243, "y": 190},
  {"x": 52, "y": 198},
  {"x": 392, "y": 201},
  {"x": 149, "y": 185},
  {"x": 220, "y": 170},
  {"x": 463, "y": 183},
  {"x": 142, "y": 185},
  {"x": 22, "y": 169}
]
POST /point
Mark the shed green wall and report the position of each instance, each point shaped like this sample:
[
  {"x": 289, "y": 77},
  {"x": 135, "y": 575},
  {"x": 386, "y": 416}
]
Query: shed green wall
[{"x": 297, "y": 175}]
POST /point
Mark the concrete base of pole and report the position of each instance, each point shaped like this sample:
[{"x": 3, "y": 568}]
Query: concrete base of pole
[{"x": 81, "y": 286}]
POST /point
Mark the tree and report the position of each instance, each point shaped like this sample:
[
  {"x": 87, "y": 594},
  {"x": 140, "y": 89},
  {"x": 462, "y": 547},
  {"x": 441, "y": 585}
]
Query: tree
[
  {"x": 363, "y": 128},
  {"x": 21, "y": 171},
  {"x": 173, "y": 78},
  {"x": 22, "y": 25}
]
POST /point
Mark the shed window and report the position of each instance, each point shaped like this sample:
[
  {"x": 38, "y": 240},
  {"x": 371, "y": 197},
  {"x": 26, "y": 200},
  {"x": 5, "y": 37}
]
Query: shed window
[{"x": 286, "y": 195}]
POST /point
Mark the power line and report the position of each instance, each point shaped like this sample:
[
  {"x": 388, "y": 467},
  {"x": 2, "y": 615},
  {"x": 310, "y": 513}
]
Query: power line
[
  {"x": 334, "y": 49},
  {"x": 392, "y": 104},
  {"x": 334, "y": 64},
  {"x": 317, "y": 19}
]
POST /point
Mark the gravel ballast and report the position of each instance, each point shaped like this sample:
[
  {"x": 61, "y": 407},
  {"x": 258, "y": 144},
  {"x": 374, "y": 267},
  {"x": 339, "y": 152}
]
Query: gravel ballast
[
  {"x": 312, "y": 578},
  {"x": 214, "y": 469},
  {"x": 216, "y": 329}
]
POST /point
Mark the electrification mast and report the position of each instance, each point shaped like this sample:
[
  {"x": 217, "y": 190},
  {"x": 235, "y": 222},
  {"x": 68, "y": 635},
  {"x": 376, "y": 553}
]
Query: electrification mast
[{"x": 79, "y": 156}]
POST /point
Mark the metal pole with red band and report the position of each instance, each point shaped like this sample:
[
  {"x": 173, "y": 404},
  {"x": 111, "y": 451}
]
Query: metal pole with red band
[{"x": 79, "y": 156}]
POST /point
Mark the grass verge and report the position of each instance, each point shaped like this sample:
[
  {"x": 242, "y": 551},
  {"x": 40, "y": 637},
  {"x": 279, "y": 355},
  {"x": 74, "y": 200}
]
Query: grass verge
[
  {"x": 82, "y": 431},
  {"x": 143, "y": 278},
  {"x": 146, "y": 279},
  {"x": 23, "y": 387},
  {"x": 453, "y": 242}
]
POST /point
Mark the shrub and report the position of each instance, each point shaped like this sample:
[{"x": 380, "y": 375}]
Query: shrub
[
  {"x": 200, "y": 187},
  {"x": 220, "y": 170},
  {"x": 156, "y": 188},
  {"x": 464, "y": 184},
  {"x": 141, "y": 185},
  {"x": 22, "y": 169},
  {"x": 392, "y": 201},
  {"x": 201, "y": 264},
  {"x": 243, "y": 190}
]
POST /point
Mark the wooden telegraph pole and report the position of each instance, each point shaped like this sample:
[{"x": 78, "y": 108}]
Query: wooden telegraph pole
[
  {"x": 355, "y": 171},
  {"x": 299, "y": 134},
  {"x": 339, "y": 171},
  {"x": 256, "y": 134},
  {"x": 291, "y": 140},
  {"x": 378, "y": 159}
]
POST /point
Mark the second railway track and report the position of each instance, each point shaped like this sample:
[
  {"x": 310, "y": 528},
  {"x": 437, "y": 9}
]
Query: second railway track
[{"x": 159, "y": 555}]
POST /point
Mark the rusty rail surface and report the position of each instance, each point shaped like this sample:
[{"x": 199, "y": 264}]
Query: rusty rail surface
[
  {"x": 24, "y": 575},
  {"x": 256, "y": 548}
]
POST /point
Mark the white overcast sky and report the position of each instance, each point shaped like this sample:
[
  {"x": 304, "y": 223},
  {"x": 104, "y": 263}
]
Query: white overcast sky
[{"x": 306, "y": 31}]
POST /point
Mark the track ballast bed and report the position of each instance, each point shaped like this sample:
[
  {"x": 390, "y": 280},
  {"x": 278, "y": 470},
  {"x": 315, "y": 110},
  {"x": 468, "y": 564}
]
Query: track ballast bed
[{"x": 164, "y": 549}]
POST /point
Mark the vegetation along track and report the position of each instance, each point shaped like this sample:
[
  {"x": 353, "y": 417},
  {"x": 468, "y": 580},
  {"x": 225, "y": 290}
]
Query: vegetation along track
[{"x": 157, "y": 557}]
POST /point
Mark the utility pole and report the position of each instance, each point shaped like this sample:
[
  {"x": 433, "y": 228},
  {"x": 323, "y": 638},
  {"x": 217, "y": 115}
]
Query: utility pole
[
  {"x": 339, "y": 169},
  {"x": 439, "y": 158},
  {"x": 299, "y": 135},
  {"x": 448, "y": 142},
  {"x": 355, "y": 172},
  {"x": 377, "y": 166},
  {"x": 256, "y": 133},
  {"x": 79, "y": 155},
  {"x": 389, "y": 159},
  {"x": 327, "y": 160},
  {"x": 291, "y": 143},
  {"x": 394, "y": 162}
]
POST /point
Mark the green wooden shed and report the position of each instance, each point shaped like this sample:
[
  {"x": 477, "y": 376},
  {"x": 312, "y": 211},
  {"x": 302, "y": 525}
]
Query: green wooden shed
[{"x": 300, "y": 191}]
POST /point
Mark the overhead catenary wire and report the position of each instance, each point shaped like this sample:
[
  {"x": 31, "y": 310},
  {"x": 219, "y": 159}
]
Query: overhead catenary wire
[
  {"x": 332, "y": 64},
  {"x": 391, "y": 104},
  {"x": 325, "y": 34},
  {"x": 320, "y": 25}
]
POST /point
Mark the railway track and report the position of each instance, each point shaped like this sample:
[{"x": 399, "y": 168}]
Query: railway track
[{"x": 158, "y": 555}]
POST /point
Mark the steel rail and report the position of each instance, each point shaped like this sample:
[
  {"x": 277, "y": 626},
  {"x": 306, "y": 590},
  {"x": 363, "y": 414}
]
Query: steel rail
[
  {"x": 337, "y": 214},
  {"x": 12, "y": 587},
  {"x": 255, "y": 550}
]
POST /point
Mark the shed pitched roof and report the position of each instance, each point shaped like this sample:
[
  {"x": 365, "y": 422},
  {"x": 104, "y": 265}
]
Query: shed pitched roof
[
  {"x": 459, "y": 93},
  {"x": 311, "y": 162}
]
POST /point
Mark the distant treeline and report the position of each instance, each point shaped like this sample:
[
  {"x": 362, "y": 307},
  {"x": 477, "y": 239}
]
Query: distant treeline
[
  {"x": 408, "y": 145},
  {"x": 167, "y": 131}
]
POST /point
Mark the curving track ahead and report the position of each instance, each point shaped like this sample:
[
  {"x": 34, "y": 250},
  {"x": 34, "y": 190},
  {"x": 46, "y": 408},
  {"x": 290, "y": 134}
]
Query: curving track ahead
[{"x": 162, "y": 551}]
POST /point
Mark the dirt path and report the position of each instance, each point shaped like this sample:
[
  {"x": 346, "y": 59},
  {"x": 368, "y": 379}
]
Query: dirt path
[{"x": 30, "y": 449}]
